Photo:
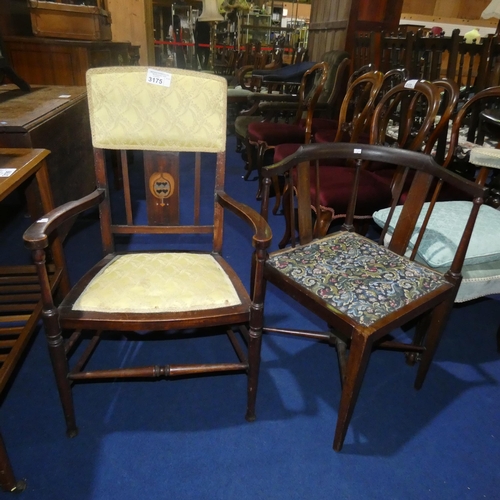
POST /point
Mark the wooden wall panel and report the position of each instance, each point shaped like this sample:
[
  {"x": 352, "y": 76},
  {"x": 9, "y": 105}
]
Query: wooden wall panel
[
  {"x": 327, "y": 27},
  {"x": 128, "y": 24},
  {"x": 455, "y": 9}
]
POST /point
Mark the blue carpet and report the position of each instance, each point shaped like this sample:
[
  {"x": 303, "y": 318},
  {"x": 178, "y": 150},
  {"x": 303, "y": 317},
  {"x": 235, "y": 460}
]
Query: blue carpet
[{"x": 187, "y": 439}]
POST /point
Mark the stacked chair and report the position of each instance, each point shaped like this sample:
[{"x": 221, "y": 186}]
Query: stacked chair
[
  {"x": 268, "y": 107},
  {"x": 412, "y": 116}
]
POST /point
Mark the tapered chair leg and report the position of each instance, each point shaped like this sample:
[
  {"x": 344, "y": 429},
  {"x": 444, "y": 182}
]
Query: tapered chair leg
[
  {"x": 418, "y": 338},
  {"x": 436, "y": 326},
  {"x": 7, "y": 480},
  {"x": 359, "y": 355}
]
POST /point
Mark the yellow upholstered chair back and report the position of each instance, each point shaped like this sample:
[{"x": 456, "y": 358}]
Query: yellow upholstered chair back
[{"x": 144, "y": 108}]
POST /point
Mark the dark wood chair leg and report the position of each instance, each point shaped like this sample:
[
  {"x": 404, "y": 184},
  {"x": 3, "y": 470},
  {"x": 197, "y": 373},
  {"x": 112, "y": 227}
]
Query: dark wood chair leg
[
  {"x": 436, "y": 326},
  {"x": 287, "y": 236},
  {"x": 60, "y": 366},
  {"x": 254, "y": 348},
  {"x": 359, "y": 355},
  {"x": 258, "y": 291},
  {"x": 277, "y": 194},
  {"x": 261, "y": 149},
  {"x": 7, "y": 480},
  {"x": 418, "y": 338},
  {"x": 249, "y": 166}
]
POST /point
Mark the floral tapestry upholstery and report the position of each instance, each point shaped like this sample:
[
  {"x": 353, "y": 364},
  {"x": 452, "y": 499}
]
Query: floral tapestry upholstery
[{"x": 356, "y": 276}]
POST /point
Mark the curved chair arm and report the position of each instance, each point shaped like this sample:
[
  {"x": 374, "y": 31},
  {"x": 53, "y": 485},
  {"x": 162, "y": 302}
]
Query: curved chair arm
[
  {"x": 244, "y": 73},
  {"x": 37, "y": 235},
  {"x": 262, "y": 232}
]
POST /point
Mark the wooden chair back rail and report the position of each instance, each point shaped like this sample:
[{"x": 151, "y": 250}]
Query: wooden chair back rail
[
  {"x": 358, "y": 105},
  {"x": 409, "y": 99},
  {"x": 469, "y": 114}
]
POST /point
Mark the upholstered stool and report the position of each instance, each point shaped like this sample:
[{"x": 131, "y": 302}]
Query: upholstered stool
[{"x": 488, "y": 157}]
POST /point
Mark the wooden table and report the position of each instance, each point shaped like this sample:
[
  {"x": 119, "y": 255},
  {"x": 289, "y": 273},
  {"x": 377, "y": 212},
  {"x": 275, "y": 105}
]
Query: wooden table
[{"x": 20, "y": 304}]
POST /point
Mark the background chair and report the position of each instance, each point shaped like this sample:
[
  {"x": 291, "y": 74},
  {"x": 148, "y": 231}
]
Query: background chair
[
  {"x": 331, "y": 183},
  {"x": 354, "y": 117},
  {"x": 272, "y": 108},
  {"x": 355, "y": 110},
  {"x": 155, "y": 291},
  {"x": 476, "y": 157},
  {"x": 264, "y": 136},
  {"x": 361, "y": 289}
]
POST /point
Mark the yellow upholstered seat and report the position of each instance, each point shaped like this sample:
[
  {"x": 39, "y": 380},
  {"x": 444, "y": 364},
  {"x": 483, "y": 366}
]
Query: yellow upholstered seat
[{"x": 158, "y": 282}]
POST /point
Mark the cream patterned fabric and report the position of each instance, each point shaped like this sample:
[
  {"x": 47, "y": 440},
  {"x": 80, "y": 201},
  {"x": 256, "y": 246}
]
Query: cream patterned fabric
[
  {"x": 128, "y": 112},
  {"x": 485, "y": 157},
  {"x": 149, "y": 283}
]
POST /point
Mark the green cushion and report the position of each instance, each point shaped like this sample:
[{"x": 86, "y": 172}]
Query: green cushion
[{"x": 445, "y": 229}]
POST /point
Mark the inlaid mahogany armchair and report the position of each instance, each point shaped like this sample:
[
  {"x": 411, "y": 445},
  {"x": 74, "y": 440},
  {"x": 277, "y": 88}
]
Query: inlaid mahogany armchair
[{"x": 174, "y": 123}]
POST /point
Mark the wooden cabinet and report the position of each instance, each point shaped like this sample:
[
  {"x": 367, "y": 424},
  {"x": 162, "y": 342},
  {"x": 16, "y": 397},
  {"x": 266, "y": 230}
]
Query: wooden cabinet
[
  {"x": 46, "y": 61},
  {"x": 55, "y": 118}
]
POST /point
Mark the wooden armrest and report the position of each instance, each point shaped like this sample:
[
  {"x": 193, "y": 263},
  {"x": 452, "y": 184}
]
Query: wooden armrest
[
  {"x": 36, "y": 236},
  {"x": 262, "y": 231}
]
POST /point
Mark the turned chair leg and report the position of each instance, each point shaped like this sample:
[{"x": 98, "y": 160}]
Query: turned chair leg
[{"x": 60, "y": 366}]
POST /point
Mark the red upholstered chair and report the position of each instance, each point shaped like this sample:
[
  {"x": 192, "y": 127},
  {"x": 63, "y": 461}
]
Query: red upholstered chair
[
  {"x": 331, "y": 183},
  {"x": 283, "y": 107},
  {"x": 326, "y": 130},
  {"x": 419, "y": 132},
  {"x": 266, "y": 135},
  {"x": 354, "y": 116}
]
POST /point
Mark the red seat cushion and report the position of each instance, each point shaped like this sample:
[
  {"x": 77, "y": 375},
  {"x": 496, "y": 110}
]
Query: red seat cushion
[
  {"x": 321, "y": 124},
  {"x": 336, "y": 187},
  {"x": 326, "y": 135},
  {"x": 276, "y": 133},
  {"x": 281, "y": 151}
]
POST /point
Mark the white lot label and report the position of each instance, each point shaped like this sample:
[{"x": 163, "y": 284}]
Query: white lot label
[
  {"x": 6, "y": 172},
  {"x": 410, "y": 84},
  {"x": 161, "y": 78}
]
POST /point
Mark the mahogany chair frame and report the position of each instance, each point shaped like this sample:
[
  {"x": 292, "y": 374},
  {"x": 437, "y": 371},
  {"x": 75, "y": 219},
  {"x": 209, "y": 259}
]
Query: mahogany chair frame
[
  {"x": 62, "y": 317},
  {"x": 345, "y": 331}
]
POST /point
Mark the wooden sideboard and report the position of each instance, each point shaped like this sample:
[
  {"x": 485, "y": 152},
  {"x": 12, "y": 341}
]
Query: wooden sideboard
[{"x": 51, "y": 61}]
